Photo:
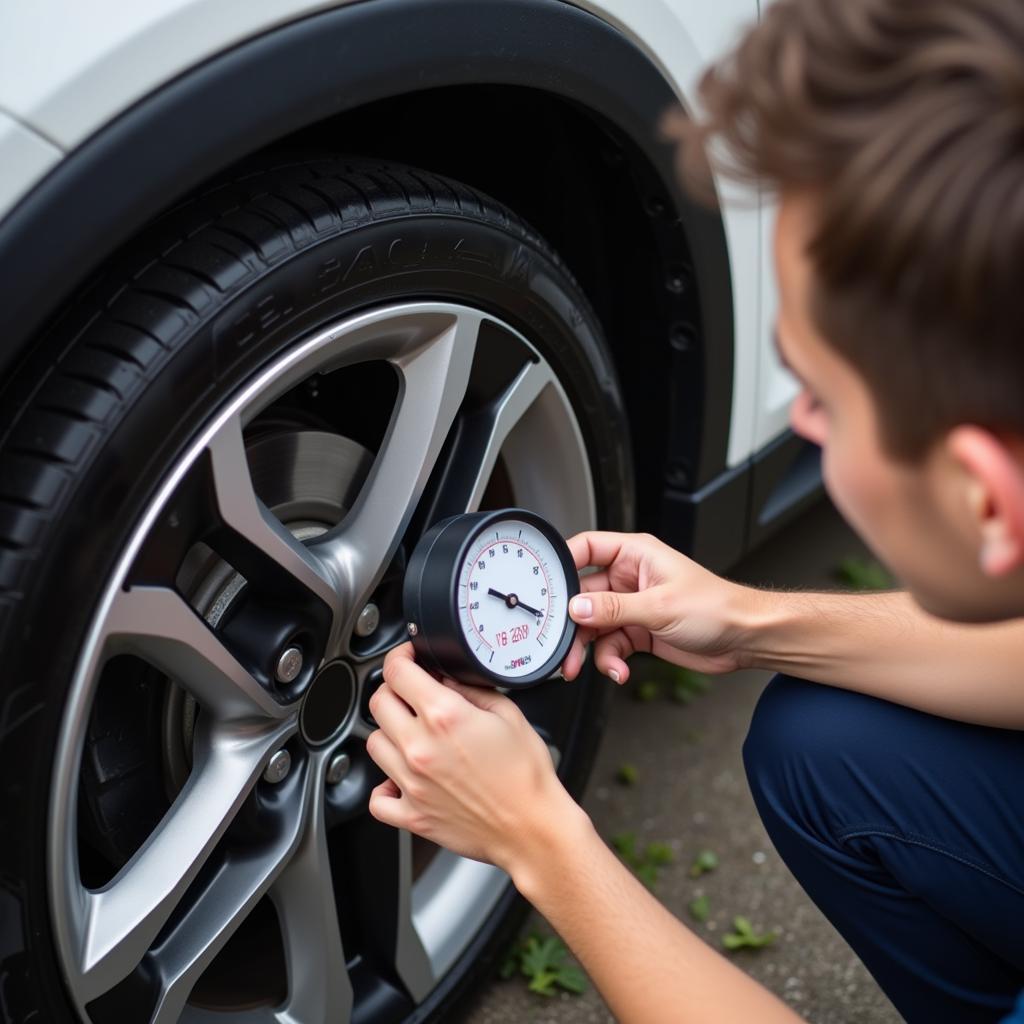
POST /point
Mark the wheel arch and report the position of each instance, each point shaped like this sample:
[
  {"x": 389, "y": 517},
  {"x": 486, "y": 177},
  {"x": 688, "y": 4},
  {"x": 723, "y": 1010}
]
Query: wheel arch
[{"x": 630, "y": 241}]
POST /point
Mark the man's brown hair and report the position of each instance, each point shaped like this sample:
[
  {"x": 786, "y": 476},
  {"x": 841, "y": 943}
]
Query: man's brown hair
[{"x": 905, "y": 119}]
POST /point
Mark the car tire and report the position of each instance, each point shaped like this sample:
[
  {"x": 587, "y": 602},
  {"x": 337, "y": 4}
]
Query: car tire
[{"x": 107, "y": 488}]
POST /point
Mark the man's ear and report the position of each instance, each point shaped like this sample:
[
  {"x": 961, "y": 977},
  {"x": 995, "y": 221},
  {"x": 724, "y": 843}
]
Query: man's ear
[{"x": 994, "y": 472}]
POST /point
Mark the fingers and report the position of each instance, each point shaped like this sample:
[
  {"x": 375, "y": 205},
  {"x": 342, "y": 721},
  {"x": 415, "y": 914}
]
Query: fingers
[
  {"x": 573, "y": 664},
  {"x": 392, "y": 714},
  {"x": 414, "y": 685},
  {"x": 387, "y": 805},
  {"x": 595, "y": 581},
  {"x": 610, "y": 654},
  {"x": 596, "y": 547},
  {"x": 605, "y": 610},
  {"x": 482, "y": 697},
  {"x": 387, "y": 757}
]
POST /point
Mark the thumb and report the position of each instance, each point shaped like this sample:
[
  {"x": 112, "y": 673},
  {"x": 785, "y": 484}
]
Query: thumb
[{"x": 606, "y": 609}]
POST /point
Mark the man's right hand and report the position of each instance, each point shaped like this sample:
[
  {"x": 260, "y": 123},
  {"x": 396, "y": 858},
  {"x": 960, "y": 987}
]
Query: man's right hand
[{"x": 646, "y": 596}]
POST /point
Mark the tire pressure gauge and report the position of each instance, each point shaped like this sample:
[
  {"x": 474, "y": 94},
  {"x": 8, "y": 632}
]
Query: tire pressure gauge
[{"x": 486, "y": 598}]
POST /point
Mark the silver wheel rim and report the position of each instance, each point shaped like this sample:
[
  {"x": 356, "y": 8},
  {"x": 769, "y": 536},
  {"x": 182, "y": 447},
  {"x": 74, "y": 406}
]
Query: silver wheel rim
[{"x": 104, "y": 934}]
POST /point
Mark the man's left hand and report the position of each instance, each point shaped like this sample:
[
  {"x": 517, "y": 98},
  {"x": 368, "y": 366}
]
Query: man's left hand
[{"x": 465, "y": 768}]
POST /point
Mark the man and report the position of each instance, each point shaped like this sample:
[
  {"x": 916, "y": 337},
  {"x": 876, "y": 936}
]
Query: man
[{"x": 892, "y": 132}]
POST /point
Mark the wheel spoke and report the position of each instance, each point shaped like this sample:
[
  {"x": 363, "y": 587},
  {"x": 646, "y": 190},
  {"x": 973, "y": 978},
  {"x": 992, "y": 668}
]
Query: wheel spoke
[
  {"x": 411, "y": 961},
  {"x": 160, "y": 627},
  {"x": 433, "y": 383},
  {"x": 244, "y": 877},
  {"x": 319, "y": 988},
  {"x": 262, "y": 541},
  {"x": 480, "y": 439},
  {"x": 121, "y": 920},
  {"x": 382, "y": 856}
]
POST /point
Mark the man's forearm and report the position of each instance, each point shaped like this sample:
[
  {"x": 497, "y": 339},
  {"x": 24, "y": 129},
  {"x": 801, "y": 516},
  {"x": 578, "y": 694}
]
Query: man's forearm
[
  {"x": 648, "y": 966},
  {"x": 886, "y": 646}
]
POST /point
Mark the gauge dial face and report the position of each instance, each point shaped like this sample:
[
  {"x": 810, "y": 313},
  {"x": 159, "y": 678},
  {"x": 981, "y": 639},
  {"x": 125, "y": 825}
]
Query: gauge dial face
[{"x": 512, "y": 598}]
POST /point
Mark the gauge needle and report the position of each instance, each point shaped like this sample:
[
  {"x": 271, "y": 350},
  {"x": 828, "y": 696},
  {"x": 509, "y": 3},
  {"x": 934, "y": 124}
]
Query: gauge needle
[{"x": 512, "y": 600}]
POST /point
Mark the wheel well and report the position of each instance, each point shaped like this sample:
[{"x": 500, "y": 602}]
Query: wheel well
[
  {"x": 546, "y": 106},
  {"x": 594, "y": 197}
]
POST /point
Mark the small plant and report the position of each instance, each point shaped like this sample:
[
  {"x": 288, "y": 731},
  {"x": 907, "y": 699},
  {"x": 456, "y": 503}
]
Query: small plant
[
  {"x": 661, "y": 678},
  {"x": 646, "y": 864},
  {"x": 647, "y": 691},
  {"x": 688, "y": 684},
  {"x": 863, "y": 574},
  {"x": 627, "y": 774},
  {"x": 705, "y": 861},
  {"x": 744, "y": 937},
  {"x": 700, "y": 908},
  {"x": 543, "y": 962}
]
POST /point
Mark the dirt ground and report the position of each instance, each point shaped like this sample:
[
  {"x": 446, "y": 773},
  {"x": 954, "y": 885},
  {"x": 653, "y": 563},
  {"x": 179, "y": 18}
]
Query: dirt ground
[{"x": 692, "y": 794}]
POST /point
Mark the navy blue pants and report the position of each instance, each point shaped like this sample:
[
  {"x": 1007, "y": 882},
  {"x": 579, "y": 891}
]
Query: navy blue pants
[{"x": 907, "y": 831}]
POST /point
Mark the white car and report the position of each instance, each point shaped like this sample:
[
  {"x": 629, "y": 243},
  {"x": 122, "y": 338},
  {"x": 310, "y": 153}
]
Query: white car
[{"x": 284, "y": 283}]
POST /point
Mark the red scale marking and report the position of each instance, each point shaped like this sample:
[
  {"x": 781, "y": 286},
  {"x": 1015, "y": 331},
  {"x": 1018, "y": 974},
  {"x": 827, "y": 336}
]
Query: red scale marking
[{"x": 540, "y": 562}]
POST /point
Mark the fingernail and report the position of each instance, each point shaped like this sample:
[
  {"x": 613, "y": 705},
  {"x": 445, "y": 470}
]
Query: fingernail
[
  {"x": 582, "y": 607},
  {"x": 614, "y": 675}
]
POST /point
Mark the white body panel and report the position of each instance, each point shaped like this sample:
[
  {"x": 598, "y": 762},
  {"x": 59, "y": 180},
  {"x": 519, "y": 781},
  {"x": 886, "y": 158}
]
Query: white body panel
[
  {"x": 682, "y": 37},
  {"x": 25, "y": 156},
  {"x": 66, "y": 69}
]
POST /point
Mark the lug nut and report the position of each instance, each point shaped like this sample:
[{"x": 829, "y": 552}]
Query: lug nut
[
  {"x": 368, "y": 621},
  {"x": 278, "y": 767},
  {"x": 338, "y": 768},
  {"x": 289, "y": 665}
]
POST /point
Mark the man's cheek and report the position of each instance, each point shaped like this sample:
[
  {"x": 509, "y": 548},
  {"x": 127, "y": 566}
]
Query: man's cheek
[{"x": 852, "y": 491}]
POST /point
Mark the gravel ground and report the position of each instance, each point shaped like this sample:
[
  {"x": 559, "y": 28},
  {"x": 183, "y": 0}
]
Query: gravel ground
[{"x": 692, "y": 794}]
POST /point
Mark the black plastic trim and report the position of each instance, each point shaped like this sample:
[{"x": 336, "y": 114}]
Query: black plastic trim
[
  {"x": 710, "y": 525},
  {"x": 745, "y": 505},
  {"x": 786, "y": 479},
  {"x": 304, "y": 72}
]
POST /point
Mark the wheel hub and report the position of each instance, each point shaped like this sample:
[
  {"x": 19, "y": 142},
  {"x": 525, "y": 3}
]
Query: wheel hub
[{"x": 328, "y": 703}]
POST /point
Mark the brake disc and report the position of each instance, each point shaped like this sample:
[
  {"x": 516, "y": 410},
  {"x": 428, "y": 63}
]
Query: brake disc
[{"x": 308, "y": 479}]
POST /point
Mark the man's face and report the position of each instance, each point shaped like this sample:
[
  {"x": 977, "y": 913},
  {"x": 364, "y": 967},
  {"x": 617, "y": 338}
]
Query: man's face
[{"x": 918, "y": 517}]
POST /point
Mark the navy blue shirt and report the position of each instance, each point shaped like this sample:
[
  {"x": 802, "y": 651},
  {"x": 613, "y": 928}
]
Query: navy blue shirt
[{"x": 1017, "y": 1017}]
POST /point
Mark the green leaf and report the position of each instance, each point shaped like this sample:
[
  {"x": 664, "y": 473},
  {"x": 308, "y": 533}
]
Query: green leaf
[
  {"x": 744, "y": 936},
  {"x": 542, "y": 961},
  {"x": 543, "y": 983},
  {"x": 700, "y": 908},
  {"x": 648, "y": 874},
  {"x": 541, "y": 955},
  {"x": 627, "y": 774},
  {"x": 625, "y": 847},
  {"x": 647, "y": 691},
  {"x": 863, "y": 574},
  {"x": 572, "y": 979},
  {"x": 681, "y": 693},
  {"x": 659, "y": 853},
  {"x": 695, "y": 682},
  {"x": 706, "y": 860}
]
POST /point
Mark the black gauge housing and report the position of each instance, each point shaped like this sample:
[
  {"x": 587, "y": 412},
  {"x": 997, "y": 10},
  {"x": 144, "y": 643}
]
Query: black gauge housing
[{"x": 430, "y": 598}]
